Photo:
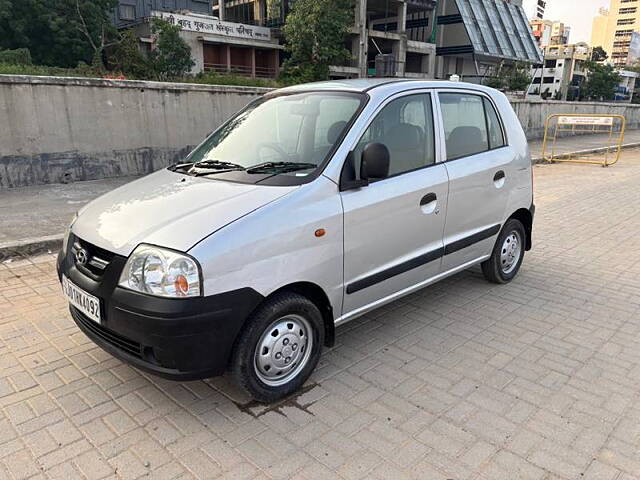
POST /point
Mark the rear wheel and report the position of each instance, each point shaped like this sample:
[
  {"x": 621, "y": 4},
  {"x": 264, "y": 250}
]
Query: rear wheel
[
  {"x": 507, "y": 255},
  {"x": 279, "y": 347}
]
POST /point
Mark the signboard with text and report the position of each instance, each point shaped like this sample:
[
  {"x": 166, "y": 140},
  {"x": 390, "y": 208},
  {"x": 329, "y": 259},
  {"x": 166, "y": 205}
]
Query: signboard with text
[
  {"x": 585, "y": 121},
  {"x": 211, "y": 25}
]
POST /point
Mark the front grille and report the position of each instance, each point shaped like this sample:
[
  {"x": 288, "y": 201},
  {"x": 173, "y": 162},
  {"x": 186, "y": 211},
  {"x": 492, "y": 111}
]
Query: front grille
[
  {"x": 97, "y": 259},
  {"x": 122, "y": 343}
]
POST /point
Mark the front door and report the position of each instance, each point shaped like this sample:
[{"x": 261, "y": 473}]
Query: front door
[
  {"x": 481, "y": 176},
  {"x": 393, "y": 227}
]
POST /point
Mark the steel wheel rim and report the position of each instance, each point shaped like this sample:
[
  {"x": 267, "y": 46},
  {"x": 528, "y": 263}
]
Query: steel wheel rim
[
  {"x": 283, "y": 350},
  {"x": 510, "y": 252}
]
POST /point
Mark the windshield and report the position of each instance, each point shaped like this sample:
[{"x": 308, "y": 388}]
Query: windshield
[{"x": 284, "y": 136}]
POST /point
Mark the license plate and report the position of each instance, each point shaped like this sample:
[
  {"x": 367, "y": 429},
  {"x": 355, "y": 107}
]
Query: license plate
[{"x": 83, "y": 301}]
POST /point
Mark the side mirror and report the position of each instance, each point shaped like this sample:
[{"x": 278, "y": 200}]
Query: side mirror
[{"x": 375, "y": 162}]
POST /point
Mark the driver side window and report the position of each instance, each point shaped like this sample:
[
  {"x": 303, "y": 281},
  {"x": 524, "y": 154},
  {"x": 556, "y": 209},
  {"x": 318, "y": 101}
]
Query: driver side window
[{"x": 405, "y": 127}]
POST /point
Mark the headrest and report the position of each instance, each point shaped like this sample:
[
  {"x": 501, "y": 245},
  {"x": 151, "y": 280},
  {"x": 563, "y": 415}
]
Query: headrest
[{"x": 334, "y": 131}]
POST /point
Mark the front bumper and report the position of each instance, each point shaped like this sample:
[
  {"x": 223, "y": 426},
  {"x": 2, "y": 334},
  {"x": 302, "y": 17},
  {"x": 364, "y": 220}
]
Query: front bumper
[{"x": 180, "y": 339}]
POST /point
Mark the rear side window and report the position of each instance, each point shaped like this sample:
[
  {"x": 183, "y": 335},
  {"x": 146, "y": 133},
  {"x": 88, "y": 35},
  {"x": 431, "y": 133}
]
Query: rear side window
[{"x": 471, "y": 124}]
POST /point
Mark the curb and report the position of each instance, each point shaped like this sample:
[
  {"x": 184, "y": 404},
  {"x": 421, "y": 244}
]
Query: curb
[
  {"x": 538, "y": 160},
  {"x": 30, "y": 246},
  {"x": 52, "y": 243}
]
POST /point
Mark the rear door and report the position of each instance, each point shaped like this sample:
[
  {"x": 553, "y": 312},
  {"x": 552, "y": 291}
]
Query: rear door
[
  {"x": 481, "y": 176},
  {"x": 393, "y": 227}
]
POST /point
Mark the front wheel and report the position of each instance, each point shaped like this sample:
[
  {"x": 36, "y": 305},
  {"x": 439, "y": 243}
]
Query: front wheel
[
  {"x": 507, "y": 255},
  {"x": 279, "y": 347}
]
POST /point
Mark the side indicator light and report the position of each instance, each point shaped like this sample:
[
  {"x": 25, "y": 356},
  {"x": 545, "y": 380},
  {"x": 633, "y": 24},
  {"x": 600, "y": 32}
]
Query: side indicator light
[{"x": 320, "y": 232}]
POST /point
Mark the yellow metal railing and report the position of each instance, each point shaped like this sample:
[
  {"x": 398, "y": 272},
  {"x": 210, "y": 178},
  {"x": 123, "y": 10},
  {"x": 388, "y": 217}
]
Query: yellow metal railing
[{"x": 580, "y": 124}]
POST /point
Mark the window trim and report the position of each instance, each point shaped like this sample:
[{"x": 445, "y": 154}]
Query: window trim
[
  {"x": 435, "y": 123},
  {"x": 478, "y": 93}
]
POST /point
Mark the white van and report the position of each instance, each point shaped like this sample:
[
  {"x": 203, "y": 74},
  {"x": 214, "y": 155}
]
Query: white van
[{"x": 312, "y": 206}]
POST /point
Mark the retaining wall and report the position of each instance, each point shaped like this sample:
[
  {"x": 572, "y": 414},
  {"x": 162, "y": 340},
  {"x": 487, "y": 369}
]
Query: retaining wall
[{"x": 55, "y": 129}]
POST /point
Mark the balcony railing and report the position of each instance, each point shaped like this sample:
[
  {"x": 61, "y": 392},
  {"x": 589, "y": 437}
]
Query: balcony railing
[{"x": 242, "y": 70}]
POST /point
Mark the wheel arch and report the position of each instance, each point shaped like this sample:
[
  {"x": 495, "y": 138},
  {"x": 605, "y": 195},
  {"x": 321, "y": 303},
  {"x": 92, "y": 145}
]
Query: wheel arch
[
  {"x": 317, "y": 295},
  {"x": 526, "y": 218}
]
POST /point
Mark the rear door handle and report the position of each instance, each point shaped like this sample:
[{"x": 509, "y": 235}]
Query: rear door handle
[
  {"x": 428, "y": 198},
  {"x": 499, "y": 175}
]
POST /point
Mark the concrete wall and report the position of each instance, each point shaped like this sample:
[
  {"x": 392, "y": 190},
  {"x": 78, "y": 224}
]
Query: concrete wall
[
  {"x": 56, "y": 130},
  {"x": 60, "y": 129},
  {"x": 533, "y": 113}
]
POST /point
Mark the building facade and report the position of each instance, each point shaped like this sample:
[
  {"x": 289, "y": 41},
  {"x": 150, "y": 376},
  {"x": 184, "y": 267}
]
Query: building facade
[
  {"x": 562, "y": 73},
  {"x": 613, "y": 30},
  {"x": 390, "y": 38},
  {"x": 476, "y": 37},
  {"x": 548, "y": 33},
  {"x": 222, "y": 46}
]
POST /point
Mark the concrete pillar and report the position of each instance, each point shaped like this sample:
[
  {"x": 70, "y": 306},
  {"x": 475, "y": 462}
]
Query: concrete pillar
[
  {"x": 221, "y": 9},
  {"x": 258, "y": 16},
  {"x": 276, "y": 61},
  {"x": 253, "y": 62},
  {"x": 362, "y": 39},
  {"x": 400, "y": 46},
  {"x": 227, "y": 49}
]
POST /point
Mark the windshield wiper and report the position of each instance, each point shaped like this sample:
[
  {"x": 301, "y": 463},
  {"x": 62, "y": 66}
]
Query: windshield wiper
[
  {"x": 280, "y": 167},
  {"x": 216, "y": 165}
]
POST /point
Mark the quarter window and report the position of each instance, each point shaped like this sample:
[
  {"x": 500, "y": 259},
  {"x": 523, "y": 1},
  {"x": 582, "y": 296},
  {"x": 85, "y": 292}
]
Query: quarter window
[
  {"x": 471, "y": 125},
  {"x": 405, "y": 126},
  {"x": 496, "y": 137}
]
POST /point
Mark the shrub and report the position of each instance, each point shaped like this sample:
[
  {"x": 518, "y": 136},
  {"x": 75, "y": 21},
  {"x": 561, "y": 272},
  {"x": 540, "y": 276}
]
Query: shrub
[{"x": 19, "y": 56}]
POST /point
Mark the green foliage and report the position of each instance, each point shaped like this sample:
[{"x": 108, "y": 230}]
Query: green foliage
[
  {"x": 57, "y": 32},
  {"x": 41, "y": 70},
  {"x": 315, "y": 32},
  {"x": 601, "y": 82},
  {"x": 171, "y": 57},
  {"x": 19, "y": 56},
  {"x": 127, "y": 58},
  {"x": 210, "y": 78},
  {"x": 599, "y": 55},
  {"x": 513, "y": 78},
  {"x": 273, "y": 9},
  {"x": 495, "y": 82}
]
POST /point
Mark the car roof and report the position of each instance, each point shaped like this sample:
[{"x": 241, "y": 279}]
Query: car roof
[{"x": 368, "y": 84}]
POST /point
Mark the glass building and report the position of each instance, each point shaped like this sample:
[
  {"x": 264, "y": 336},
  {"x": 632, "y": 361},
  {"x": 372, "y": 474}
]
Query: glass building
[{"x": 476, "y": 36}]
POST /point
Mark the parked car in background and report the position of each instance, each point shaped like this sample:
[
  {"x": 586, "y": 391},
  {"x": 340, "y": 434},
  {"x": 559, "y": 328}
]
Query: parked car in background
[{"x": 312, "y": 206}]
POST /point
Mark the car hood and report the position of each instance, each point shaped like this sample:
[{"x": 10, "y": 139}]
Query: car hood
[{"x": 168, "y": 209}]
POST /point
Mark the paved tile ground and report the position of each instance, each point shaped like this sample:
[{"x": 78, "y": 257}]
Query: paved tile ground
[{"x": 465, "y": 380}]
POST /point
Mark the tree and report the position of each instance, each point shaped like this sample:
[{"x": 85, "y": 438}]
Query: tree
[
  {"x": 601, "y": 82},
  {"x": 315, "y": 32},
  {"x": 126, "y": 57},
  {"x": 599, "y": 55},
  {"x": 513, "y": 78},
  {"x": 57, "y": 32},
  {"x": 171, "y": 57}
]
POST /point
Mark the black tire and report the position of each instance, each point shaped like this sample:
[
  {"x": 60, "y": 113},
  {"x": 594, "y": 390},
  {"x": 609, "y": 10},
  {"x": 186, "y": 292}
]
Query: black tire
[
  {"x": 493, "y": 267},
  {"x": 244, "y": 366}
]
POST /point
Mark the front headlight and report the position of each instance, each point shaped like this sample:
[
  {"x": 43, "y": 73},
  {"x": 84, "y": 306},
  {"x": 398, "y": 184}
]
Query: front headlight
[
  {"x": 67, "y": 234},
  {"x": 161, "y": 272}
]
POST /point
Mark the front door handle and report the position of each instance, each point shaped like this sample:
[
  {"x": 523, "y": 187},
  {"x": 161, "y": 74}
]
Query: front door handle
[
  {"x": 499, "y": 175},
  {"x": 428, "y": 198}
]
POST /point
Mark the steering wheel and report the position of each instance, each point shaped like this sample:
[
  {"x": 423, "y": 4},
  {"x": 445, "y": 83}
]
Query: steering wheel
[{"x": 274, "y": 147}]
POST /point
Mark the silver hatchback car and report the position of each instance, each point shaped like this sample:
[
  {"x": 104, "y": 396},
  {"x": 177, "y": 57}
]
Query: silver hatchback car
[{"x": 312, "y": 206}]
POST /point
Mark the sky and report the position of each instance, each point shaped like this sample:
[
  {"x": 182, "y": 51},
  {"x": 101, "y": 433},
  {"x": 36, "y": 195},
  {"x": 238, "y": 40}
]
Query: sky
[{"x": 576, "y": 13}]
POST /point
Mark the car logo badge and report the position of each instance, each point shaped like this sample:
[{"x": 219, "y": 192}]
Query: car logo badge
[{"x": 82, "y": 256}]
